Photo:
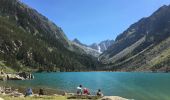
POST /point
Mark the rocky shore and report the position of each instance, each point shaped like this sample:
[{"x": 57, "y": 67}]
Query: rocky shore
[
  {"x": 8, "y": 93},
  {"x": 16, "y": 76}
]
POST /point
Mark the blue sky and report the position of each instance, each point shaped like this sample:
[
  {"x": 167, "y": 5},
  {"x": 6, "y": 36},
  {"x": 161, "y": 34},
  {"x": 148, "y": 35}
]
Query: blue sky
[{"x": 95, "y": 20}]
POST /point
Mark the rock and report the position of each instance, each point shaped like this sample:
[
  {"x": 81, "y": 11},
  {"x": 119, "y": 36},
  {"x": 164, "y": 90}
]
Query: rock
[
  {"x": 113, "y": 98},
  {"x": 19, "y": 76},
  {"x": 13, "y": 77},
  {"x": 26, "y": 75},
  {"x": 23, "y": 74},
  {"x": 1, "y": 98}
]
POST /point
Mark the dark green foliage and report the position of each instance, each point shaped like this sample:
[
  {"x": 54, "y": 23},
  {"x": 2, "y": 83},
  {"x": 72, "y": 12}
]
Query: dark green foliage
[{"x": 29, "y": 40}]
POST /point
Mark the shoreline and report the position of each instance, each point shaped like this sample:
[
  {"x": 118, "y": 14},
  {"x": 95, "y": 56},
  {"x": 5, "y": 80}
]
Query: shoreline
[
  {"x": 16, "y": 76},
  {"x": 17, "y": 94},
  {"x": 108, "y": 71},
  {"x": 47, "y": 91}
]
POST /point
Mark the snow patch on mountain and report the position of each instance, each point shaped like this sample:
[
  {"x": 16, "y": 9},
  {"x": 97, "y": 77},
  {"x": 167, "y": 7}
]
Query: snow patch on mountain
[{"x": 99, "y": 49}]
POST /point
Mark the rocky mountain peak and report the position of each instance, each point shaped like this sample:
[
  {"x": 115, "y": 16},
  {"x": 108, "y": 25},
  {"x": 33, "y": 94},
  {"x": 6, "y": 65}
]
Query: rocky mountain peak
[
  {"x": 102, "y": 46},
  {"x": 78, "y": 42}
]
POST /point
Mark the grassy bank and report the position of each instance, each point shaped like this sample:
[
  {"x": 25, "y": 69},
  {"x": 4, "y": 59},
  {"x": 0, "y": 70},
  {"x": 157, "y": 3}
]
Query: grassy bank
[
  {"x": 5, "y": 97},
  {"x": 58, "y": 98}
]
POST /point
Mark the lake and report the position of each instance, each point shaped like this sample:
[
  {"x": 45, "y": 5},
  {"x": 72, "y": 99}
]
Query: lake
[{"x": 138, "y": 86}]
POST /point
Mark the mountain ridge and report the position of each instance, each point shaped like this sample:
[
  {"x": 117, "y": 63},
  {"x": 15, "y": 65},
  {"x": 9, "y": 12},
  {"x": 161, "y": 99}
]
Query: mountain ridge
[
  {"x": 100, "y": 47},
  {"x": 29, "y": 41},
  {"x": 141, "y": 38}
]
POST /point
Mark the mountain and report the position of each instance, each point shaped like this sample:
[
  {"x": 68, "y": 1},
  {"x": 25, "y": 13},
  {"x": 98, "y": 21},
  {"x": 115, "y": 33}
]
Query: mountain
[
  {"x": 78, "y": 42},
  {"x": 102, "y": 46},
  {"x": 29, "y": 40},
  {"x": 144, "y": 46},
  {"x": 85, "y": 49},
  {"x": 93, "y": 49}
]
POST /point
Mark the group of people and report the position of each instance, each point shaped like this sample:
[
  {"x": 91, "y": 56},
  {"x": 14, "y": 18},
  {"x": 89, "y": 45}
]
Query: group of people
[
  {"x": 80, "y": 91},
  {"x": 85, "y": 91},
  {"x": 29, "y": 92}
]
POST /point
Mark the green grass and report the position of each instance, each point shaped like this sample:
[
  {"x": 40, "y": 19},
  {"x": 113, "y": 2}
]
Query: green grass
[
  {"x": 34, "y": 98},
  {"x": 5, "y": 68}
]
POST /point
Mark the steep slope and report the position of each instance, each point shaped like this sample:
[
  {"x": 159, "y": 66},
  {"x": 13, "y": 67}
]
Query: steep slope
[
  {"x": 28, "y": 40},
  {"x": 153, "y": 58},
  {"x": 31, "y": 21},
  {"x": 137, "y": 47}
]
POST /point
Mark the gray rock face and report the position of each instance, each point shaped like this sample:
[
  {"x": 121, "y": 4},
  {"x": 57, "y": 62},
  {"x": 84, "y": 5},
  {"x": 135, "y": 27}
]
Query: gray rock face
[
  {"x": 102, "y": 46},
  {"x": 94, "y": 49},
  {"x": 85, "y": 49}
]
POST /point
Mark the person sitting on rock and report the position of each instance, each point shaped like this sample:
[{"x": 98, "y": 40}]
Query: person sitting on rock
[
  {"x": 99, "y": 93},
  {"x": 29, "y": 92},
  {"x": 41, "y": 92},
  {"x": 86, "y": 91},
  {"x": 79, "y": 90}
]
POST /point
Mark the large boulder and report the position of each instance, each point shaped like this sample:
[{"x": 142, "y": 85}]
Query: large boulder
[{"x": 26, "y": 75}]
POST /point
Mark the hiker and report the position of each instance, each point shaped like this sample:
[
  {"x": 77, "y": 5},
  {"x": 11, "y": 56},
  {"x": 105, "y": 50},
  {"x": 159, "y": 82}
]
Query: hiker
[
  {"x": 29, "y": 92},
  {"x": 79, "y": 90},
  {"x": 41, "y": 92},
  {"x": 8, "y": 77},
  {"x": 99, "y": 93},
  {"x": 86, "y": 91}
]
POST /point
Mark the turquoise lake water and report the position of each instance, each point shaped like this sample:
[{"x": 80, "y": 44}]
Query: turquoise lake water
[{"x": 138, "y": 86}]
